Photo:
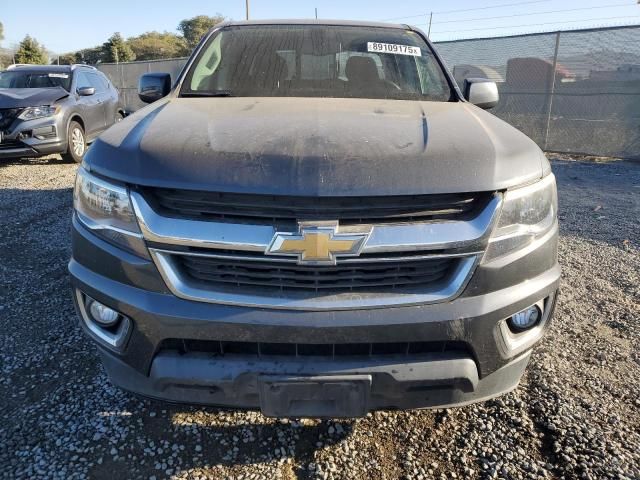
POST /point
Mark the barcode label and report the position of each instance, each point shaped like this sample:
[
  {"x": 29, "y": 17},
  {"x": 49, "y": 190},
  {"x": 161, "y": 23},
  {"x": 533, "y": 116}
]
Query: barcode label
[{"x": 393, "y": 48}]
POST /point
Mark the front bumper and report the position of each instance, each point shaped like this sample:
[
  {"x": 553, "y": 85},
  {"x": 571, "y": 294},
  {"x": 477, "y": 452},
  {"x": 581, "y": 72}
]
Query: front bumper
[
  {"x": 491, "y": 362},
  {"x": 34, "y": 138},
  {"x": 427, "y": 381}
]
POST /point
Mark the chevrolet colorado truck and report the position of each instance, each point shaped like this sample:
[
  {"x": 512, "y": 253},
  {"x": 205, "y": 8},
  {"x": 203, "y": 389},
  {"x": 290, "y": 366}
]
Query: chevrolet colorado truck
[{"x": 314, "y": 220}]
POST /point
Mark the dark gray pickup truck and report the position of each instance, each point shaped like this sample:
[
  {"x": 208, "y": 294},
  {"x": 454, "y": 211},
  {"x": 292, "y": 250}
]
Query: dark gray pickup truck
[{"x": 314, "y": 220}]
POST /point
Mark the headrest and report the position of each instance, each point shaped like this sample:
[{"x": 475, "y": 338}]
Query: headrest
[{"x": 361, "y": 70}]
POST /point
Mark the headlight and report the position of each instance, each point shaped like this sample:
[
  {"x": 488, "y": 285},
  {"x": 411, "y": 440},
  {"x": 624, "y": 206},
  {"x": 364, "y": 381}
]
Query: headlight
[
  {"x": 527, "y": 214},
  {"x": 106, "y": 210},
  {"x": 32, "y": 113}
]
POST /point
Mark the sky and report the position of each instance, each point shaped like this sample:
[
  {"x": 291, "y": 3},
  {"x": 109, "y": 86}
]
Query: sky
[{"x": 69, "y": 25}]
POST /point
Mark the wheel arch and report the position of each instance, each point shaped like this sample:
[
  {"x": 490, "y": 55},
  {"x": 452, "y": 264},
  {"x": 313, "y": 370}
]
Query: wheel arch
[{"x": 76, "y": 117}]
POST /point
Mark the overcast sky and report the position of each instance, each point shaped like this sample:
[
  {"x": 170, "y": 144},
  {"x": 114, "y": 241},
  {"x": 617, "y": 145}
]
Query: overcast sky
[{"x": 67, "y": 25}]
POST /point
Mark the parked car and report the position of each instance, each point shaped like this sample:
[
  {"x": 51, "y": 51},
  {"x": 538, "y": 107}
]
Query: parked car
[
  {"x": 46, "y": 109},
  {"x": 315, "y": 221}
]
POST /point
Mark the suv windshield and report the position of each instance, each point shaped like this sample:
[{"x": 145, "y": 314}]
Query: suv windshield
[
  {"x": 16, "y": 79},
  {"x": 317, "y": 61}
]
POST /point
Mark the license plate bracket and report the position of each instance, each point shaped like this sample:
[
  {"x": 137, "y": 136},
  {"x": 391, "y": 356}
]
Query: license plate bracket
[{"x": 314, "y": 396}]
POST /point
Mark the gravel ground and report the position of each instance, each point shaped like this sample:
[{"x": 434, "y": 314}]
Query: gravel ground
[{"x": 575, "y": 415}]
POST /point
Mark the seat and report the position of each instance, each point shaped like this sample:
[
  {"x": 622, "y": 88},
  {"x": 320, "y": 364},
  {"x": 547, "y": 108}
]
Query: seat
[
  {"x": 269, "y": 72},
  {"x": 363, "y": 78}
]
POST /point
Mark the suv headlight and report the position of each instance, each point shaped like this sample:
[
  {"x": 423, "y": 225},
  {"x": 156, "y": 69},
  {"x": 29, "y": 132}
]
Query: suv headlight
[
  {"x": 527, "y": 214},
  {"x": 105, "y": 209},
  {"x": 32, "y": 113}
]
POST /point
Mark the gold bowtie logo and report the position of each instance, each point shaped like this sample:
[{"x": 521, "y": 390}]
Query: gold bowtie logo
[{"x": 317, "y": 243}]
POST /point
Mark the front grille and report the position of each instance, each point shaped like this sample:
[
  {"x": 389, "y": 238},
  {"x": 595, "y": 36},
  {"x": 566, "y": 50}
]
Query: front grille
[
  {"x": 11, "y": 145},
  {"x": 328, "y": 350},
  {"x": 282, "y": 275},
  {"x": 7, "y": 116},
  {"x": 287, "y": 210}
]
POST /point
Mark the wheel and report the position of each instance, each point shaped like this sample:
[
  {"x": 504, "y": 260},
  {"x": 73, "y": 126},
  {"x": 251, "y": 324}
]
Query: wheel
[{"x": 77, "y": 143}]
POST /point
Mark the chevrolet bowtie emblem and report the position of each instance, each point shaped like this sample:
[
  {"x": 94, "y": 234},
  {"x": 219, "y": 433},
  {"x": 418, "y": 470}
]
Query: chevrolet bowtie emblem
[{"x": 317, "y": 243}]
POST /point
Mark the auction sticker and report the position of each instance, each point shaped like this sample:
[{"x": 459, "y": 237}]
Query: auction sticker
[
  {"x": 58, "y": 75},
  {"x": 393, "y": 48}
]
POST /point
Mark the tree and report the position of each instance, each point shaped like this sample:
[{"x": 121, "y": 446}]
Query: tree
[
  {"x": 6, "y": 58},
  {"x": 1, "y": 32},
  {"x": 156, "y": 45},
  {"x": 194, "y": 28},
  {"x": 116, "y": 50},
  {"x": 66, "y": 59},
  {"x": 30, "y": 51},
  {"x": 91, "y": 56}
]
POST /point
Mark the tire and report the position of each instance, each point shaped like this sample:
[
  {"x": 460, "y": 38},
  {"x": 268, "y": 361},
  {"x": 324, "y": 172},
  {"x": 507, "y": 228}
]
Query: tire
[{"x": 77, "y": 143}]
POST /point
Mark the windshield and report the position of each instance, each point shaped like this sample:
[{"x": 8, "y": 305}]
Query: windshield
[
  {"x": 15, "y": 79},
  {"x": 317, "y": 61}
]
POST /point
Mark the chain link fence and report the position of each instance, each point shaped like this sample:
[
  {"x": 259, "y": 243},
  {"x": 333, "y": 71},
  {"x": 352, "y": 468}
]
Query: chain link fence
[
  {"x": 125, "y": 77},
  {"x": 574, "y": 92}
]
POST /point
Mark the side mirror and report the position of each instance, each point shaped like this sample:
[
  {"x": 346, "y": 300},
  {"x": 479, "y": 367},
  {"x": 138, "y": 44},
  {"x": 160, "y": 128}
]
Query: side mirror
[
  {"x": 154, "y": 86},
  {"x": 86, "y": 91},
  {"x": 481, "y": 92}
]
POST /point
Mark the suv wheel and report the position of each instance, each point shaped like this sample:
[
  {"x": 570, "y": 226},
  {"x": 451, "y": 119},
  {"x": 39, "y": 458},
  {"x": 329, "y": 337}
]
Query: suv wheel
[{"x": 77, "y": 143}]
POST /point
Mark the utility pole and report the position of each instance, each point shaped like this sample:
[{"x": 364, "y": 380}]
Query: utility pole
[
  {"x": 247, "y": 7},
  {"x": 551, "y": 92},
  {"x": 317, "y": 11},
  {"x": 431, "y": 18}
]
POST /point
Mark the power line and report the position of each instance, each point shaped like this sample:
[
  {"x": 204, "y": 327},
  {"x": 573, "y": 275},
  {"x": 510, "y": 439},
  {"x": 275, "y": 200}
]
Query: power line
[
  {"x": 537, "y": 13},
  {"x": 468, "y": 9},
  {"x": 538, "y": 24}
]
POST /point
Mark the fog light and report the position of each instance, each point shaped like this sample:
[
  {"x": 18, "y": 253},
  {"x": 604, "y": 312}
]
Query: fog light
[
  {"x": 105, "y": 316},
  {"x": 526, "y": 318}
]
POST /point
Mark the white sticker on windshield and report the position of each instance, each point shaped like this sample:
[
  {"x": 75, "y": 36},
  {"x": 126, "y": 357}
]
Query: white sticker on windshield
[
  {"x": 58, "y": 75},
  {"x": 393, "y": 48}
]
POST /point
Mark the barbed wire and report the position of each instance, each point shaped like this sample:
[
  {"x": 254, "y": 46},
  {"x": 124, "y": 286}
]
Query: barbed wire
[
  {"x": 535, "y": 24},
  {"x": 603, "y": 26},
  {"x": 535, "y": 13},
  {"x": 488, "y": 7}
]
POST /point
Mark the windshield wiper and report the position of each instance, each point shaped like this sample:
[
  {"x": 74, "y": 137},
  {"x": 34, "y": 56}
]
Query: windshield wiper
[{"x": 215, "y": 93}]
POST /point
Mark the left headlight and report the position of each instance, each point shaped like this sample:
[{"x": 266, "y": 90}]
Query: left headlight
[
  {"x": 106, "y": 210},
  {"x": 527, "y": 214},
  {"x": 32, "y": 113}
]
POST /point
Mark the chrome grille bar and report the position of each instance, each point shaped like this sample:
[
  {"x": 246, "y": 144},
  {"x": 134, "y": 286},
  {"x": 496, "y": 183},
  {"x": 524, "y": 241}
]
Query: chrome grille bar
[
  {"x": 416, "y": 236},
  {"x": 379, "y": 258}
]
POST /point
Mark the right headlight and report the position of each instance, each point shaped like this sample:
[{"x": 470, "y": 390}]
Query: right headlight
[
  {"x": 32, "y": 113},
  {"x": 105, "y": 209},
  {"x": 527, "y": 214}
]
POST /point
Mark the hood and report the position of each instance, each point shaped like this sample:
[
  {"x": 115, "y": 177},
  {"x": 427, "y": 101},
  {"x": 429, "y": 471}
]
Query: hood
[
  {"x": 30, "y": 97},
  {"x": 316, "y": 147}
]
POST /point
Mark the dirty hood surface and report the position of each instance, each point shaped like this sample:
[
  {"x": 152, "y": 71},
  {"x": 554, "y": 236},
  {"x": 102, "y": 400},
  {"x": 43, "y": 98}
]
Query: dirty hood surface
[
  {"x": 30, "y": 97},
  {"x": 316, "y": 147}
]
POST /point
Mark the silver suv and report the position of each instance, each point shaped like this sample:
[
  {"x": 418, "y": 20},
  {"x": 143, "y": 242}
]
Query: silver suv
[{"x": 47, "y": 109}]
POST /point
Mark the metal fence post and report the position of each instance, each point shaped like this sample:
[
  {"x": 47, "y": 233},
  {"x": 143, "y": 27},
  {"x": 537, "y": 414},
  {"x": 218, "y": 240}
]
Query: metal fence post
[{"x": 552, "y": 88}]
